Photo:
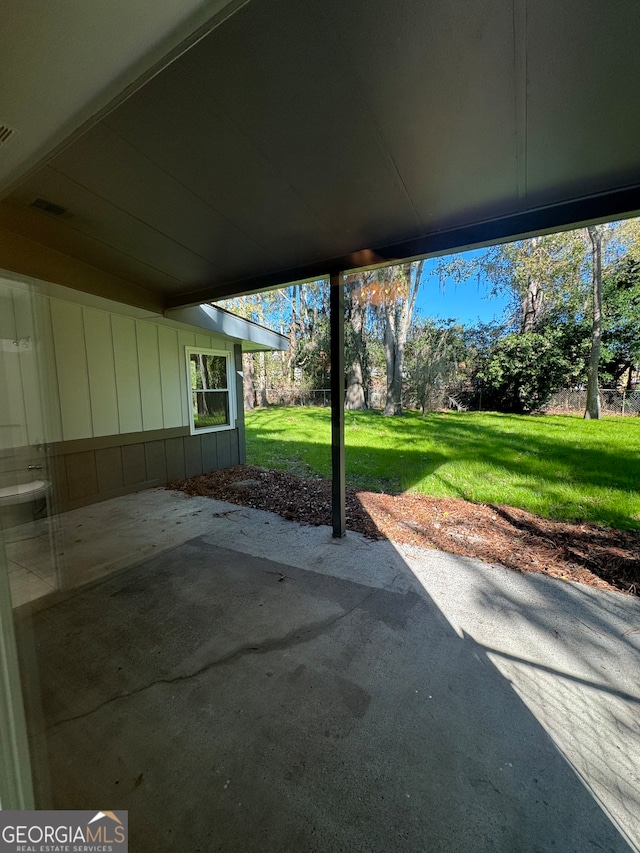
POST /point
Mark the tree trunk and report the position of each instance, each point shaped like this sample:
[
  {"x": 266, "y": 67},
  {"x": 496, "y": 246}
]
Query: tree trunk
[
  {"x": 393, "y": 402},
  {"x": 293, "y": 333},
  {"x": 398, "y": 315},
  {"x": 261, "y": 397},
  {"x": 532, "y": 300},
  {"x": 593, "y": 397},
  {"x": 532, "y": 297},
  {"x": 248, "y": 369},
  {"x": 200, "y": 398},
  {"x": 262, "y": 381},
  {"x": 356, "y": 393},
  {"x": 355, "y": 397}
]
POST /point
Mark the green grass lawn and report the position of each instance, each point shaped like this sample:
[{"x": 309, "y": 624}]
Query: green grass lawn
[{"x": 555, "y": 466}]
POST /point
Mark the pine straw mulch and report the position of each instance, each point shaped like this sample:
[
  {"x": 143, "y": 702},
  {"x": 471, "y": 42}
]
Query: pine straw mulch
[{"x": 597, "y": 556}]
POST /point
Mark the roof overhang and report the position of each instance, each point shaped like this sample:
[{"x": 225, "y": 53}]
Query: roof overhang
[
  {"x": 209, "y": 318},
  {"x": 214, "y": 319},
  {"x": 232, "y": 147}
]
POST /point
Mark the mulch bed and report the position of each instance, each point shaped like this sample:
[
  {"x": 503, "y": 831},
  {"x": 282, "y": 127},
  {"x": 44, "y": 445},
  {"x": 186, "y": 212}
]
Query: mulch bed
[{"x": 597, "y": 556}]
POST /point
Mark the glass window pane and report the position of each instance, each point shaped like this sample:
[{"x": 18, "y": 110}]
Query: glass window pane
[
  {"x": 208, "y": 371},
  {"x": 210, "y": 408}
]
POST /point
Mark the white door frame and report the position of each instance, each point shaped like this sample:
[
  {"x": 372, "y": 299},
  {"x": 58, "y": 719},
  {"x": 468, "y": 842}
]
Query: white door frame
[{"x": 16, "y": 786}]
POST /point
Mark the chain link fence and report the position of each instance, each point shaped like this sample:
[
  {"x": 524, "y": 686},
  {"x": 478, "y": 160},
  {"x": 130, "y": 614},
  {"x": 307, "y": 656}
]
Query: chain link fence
[
  {"x": 299, "y": 396},
  {"x": 567, "y": 401},
  {"x": 612, "y": 402},
  {"x": 314, "y": 397}
]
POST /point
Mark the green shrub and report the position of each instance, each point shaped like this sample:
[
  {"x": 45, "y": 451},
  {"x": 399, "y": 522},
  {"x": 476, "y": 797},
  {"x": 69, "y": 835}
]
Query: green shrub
[{"x": 522, "y": 371}]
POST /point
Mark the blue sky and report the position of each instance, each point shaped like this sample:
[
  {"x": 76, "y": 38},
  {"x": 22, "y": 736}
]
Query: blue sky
[{"x": 465, "y": 302}]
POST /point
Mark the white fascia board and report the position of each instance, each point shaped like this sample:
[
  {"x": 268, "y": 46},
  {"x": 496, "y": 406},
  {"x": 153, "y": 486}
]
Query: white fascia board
[{"x": 254, "y": 337}]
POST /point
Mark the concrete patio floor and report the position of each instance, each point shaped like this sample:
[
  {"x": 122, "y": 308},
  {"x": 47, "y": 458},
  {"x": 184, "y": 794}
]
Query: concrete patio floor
[{"x": 242, "y": 683}]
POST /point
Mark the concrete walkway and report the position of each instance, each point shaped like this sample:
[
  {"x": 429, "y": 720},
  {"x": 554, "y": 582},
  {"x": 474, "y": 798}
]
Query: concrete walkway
[{"x": 248, "y": 684}]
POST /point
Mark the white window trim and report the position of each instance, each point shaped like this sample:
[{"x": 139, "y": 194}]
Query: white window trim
[{"x": 231, "y": 389}]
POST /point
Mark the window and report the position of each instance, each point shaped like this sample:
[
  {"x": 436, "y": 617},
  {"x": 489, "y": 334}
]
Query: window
[{"x": 211, "y": 386}]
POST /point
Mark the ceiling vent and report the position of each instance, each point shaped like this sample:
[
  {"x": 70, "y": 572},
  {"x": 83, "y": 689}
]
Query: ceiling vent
[
  {"x": 5, "y": 133},
  {"x": 49, "y": 207}
]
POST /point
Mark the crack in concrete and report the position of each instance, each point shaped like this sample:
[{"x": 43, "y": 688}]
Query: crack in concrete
[{"x": 292, "y": 638}]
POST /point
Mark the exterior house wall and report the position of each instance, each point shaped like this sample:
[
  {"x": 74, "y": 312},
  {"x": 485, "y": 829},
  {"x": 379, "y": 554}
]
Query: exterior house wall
[{"x": 99, "y": 399}]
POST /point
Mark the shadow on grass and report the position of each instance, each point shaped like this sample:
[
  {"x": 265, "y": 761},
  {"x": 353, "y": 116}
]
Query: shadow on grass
[{"x": 537, "y": 464}]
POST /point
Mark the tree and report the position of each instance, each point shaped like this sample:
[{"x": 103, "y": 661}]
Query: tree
[
  {"x": 392, "y": 293},
  {"x": 397, "y": 308},
  {"x": 522, "y": 370},
  {"x": 621, "y": 325},
  {"x": 313, "y": 354},
  {"x": 593, "y": 396},
  {"x": 540, "y": 274},
  {"x": 302, "y": 310},
  {"x": 435, "y": 350},
  {"x": 550, "y": 280},
  {"x": 249, "y": 378},
  {"x": 557, "y": 280},
  {"x": 357, "y": 396},
  {"x": 618, "y": 238}
]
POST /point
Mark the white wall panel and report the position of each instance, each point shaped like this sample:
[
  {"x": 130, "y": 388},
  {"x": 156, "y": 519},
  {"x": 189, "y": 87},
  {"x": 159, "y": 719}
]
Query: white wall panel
[
  {"x": 220, "y": 343},
  {"x": 81, "y": 372},
  {"x": 49, "y": 375},
  {"x": 71, "y": 366},
  {"x": 29, "y": 359},
  {"x": 150, "y": 383},
  {"x": 170, "y": 377},
  {"x": 185, "y": 339},
  {"x": 13, "y": 429},
  {"x": 101, "y": 370},
  {"x": 125, "y": 351}
]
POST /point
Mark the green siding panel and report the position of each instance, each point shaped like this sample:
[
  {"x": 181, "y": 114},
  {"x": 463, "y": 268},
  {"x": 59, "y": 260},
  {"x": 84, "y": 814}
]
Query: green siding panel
[
  {"x": 209, "y": 452},
  {"x": 134, "y": 464},
  {"x": 109, "y": 469},
  {"x": 174, "y": 449},
  {"x": 82, "y": 477},
  {"x": 224, "y": 448},
  {"x": 156, "y": 461}
]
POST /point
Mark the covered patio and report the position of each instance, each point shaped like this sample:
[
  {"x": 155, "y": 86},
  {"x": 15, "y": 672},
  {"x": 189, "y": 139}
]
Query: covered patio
[
  {"x": 236, "y": 681},
  {"x": 238, "y": 146},
  {"x": 350, "y": 695}
]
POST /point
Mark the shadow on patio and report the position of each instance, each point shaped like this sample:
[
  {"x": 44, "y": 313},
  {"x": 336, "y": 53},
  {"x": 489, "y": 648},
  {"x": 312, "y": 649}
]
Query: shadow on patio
[{"x": 258, "y": 686}]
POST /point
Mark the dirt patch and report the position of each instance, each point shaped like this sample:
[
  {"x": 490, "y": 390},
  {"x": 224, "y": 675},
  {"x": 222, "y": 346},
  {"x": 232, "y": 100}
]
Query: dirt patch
[{"x": 597, "y": 556}]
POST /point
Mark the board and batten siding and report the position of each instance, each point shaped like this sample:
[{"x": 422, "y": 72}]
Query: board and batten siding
[
  {"x": 21, "y": 406},
  {"x": 120, "y": 375},
  {"x": 105, "y": 394}
]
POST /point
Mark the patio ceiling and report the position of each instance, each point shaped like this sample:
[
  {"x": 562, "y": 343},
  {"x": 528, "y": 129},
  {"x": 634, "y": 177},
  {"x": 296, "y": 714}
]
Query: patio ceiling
[{"x": 298, "y": 139}]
